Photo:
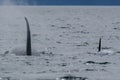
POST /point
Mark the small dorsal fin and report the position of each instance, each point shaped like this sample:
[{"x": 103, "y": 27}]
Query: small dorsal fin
[{"x": 99, "y": 47}]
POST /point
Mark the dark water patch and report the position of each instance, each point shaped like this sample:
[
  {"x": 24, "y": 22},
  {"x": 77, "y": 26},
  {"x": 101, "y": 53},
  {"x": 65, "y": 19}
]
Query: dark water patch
[
  {"x": 116, "y": 25},
  {"x": 98, "y": 54},
  {"x": 83, "y": 44},
  {"x": 116, "y": 28},
  {"x": 34, "y": 35},
  {"x": 52, "y": 25},
  {"x": 103, "y": 70},
  {"x": 90, "y": 62},
  {"x": 47, "y": 39},
  {"x": 60, "y": 35},
  {"x": 82, "y": 26},
  {"x": 64, "y": 27},
  {"x": 5, "y": 53},
  {"x": 63, "y": 64},
  {"x": 53, "y": 71},
  {"x": 9, "y": 78},
  {"x": 106, "y": 47},
  {"x": 71, "y": 77},
  {"x": 99, "y": 63},
  {"x": 41, "y": 72},
  {"x": 47, "y": 53},
  {"x": 117, "y": 51},
  {"x": 58, "y": 42},
  {"x": 103, "y": 63},
  {"x": 69, "y": 25},
  {"x": 73, "y": 57},
  {"x": 84, "y": 32},
  {"x": 90, "y": 70},
  {"x": 28, "y": 63}
]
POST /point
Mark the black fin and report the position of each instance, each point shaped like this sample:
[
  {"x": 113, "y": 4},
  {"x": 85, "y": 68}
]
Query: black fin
[
  {"x": 99, "y": 47},
  {"x": 28, "y": 44}
]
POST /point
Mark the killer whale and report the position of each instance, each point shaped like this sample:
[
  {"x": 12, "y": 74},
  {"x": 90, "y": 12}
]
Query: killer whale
[{"x": 104, "y": 51}]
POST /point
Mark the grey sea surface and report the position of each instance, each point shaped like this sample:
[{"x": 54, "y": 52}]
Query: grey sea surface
[{"x": 64, "y": 42}]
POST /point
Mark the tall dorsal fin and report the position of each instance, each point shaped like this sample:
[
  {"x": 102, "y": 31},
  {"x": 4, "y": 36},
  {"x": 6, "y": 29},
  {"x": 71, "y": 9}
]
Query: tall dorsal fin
[
  {"x": 28, "y": 43},
  {"x": 99, "y": 47}
]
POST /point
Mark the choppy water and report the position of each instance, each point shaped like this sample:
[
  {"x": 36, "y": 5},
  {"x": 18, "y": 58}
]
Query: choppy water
[{"x": 66, "y": 39}]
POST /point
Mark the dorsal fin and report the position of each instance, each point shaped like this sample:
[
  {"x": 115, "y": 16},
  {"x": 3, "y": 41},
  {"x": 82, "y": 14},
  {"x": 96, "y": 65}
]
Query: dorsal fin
[
  {"x": 28, "y": 43},
  {"x": 99, "y": 47}
]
